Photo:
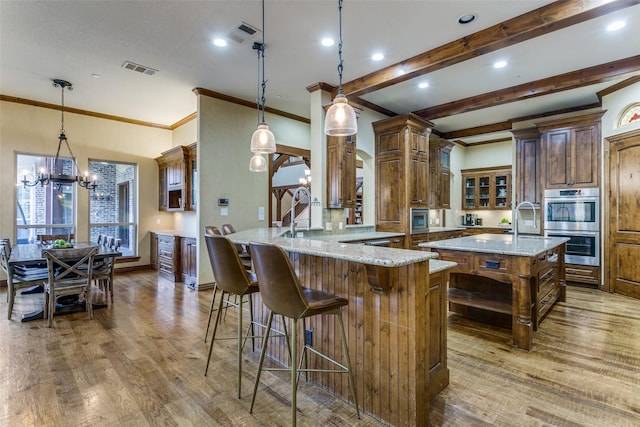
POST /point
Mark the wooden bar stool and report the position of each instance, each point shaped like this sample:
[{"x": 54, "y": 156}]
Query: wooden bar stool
[
  {"x": 233, "y": 279},
  {"x": 282, "y": 294}
]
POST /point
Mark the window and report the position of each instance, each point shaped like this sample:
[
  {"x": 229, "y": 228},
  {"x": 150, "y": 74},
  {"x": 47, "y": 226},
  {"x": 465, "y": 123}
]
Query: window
[
  {"x": 43, "y": 210},
  {"x": 113, "y": 205}
]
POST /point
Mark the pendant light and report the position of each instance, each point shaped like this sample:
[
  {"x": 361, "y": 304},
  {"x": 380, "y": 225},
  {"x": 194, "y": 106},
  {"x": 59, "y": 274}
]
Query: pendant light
[
  {"x": 262, "y": 140},
  {"x": 341, "y": 117}
]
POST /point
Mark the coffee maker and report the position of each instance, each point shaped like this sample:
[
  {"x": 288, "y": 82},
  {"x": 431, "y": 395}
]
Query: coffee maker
[{"x": 470, "y": 219}]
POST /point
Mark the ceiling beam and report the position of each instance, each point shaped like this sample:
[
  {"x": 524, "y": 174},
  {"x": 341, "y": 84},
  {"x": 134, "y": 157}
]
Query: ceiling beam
[
  {"x": 546, "y": 19},
  {"x": 572, "y": 80}
]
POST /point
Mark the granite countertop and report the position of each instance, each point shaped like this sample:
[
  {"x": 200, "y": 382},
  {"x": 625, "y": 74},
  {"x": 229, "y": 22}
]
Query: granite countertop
[
  {"x": 505, "y": 244},
  {"x": 441, "y": 229},
  {"x": 355, "y": 237},
  {"x": 501, "y": 226},
  {"x": 373, "y": 255},
  {"x": 180, "y": 233}
]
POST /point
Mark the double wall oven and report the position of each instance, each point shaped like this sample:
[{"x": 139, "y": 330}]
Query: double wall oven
[{"x": 575, "y": 213}]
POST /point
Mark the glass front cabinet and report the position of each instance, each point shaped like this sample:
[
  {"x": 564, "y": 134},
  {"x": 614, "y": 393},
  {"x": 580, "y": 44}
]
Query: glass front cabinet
[{"x": 486, "y": 188}]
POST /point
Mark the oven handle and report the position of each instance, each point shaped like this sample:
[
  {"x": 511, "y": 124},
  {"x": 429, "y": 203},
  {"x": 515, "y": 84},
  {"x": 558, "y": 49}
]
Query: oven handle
[{"x": 563, "y": 233}]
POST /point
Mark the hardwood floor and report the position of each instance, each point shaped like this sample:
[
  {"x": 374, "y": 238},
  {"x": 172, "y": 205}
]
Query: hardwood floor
[{"x": 141, "y": 362}]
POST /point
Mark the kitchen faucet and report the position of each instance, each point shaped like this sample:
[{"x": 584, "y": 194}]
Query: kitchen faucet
[
  {"x": 307, "y": 193},
  {"x": 515, "y": 216}
]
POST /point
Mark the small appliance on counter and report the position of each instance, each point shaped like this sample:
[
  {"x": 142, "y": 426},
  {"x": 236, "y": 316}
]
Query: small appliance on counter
[
  {"x": 470, "y": 220},
  {"x": 479, "y": 221}
]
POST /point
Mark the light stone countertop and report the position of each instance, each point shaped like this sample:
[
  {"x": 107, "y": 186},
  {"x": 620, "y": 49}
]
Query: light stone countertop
[
  {"x": 373, "y": 255},
  {"x": 441, "y": 229},
  {"x": 504, "y": 244},
  {"x": 180, "y": 233}
]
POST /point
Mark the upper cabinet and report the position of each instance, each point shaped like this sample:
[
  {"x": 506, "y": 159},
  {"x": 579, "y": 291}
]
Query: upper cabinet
[
  {"x": 486, "y": 188},
  {"x": 402, "y": 169},
  {"x": 193, "y": 175},
  {"x": 528, "y": 166},
  {"x": 571, "y": 152},
  {"x": 174, "y": 185},
  {"x": 341, "y": 171},
  {"x": 439, "y": 173}
]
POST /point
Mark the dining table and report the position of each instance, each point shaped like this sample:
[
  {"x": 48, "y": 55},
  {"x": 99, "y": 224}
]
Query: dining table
[{"x": 27, "y": 262}]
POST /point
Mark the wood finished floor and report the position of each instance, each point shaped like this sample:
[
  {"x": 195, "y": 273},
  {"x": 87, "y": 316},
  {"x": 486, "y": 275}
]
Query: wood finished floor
[{"x": 141, "y": 362}]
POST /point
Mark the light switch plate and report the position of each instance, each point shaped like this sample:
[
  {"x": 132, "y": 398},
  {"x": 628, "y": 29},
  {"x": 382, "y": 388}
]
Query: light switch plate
[{"x": 224, "y": 211}]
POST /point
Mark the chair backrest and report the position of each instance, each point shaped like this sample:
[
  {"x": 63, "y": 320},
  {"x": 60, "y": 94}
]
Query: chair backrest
[
  {"x": 50, "y": 238},
  {"x": 212, "y": 230},
  {"x": 70, "y": 265},
  {"x": 115, "y": 244},
  {"x": 5, "y": 253},
  {"x": 230, "y": 274},
  {"x": 228, "y": 229},
  {"x": 279, "y": 285}
]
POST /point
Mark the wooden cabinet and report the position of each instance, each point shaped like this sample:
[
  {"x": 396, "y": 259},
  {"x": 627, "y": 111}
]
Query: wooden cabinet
[
  {"x": 402, "y": 170},
  {"x": 341, "y": 171},
  {"x": 486, "y": 188},
  {"x": 439, "y": 173},
  {"x": 528, "y": 166},
  {"x": 193, "y": 175},
  {"x": 189, "y": 267},
  {"x": 167, "y": 256},
  {"x": 174, "y": 185},
  {"x": 153, "y": 251},
  {"x": 571, "y": 152},
  {"x": 444, "y": 235},
  {"x": 586, "y": 274}
]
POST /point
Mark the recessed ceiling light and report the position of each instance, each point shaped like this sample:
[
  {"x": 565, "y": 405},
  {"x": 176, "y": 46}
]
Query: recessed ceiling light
[
  {"x": 615, "y": 26},
  {"x": 219, "y": 42},
  {"x": 96, "y": 76},
  {"x": 500, "y": 64},
  {"x": 327, "y": 42},
  {"x": 423, "y": 85},
  {"x": 467, "y": 19},
  {"x": 377, "y": 56}
]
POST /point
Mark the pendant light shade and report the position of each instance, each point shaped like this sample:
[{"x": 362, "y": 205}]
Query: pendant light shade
[
  {"x": 262, "y": 140},
  {"x": 257, "y": 163},
  {"x": 341, "y": 117}
]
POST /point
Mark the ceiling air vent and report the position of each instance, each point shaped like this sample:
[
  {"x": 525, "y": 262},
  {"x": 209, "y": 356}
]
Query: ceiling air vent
[
  {"x": 139, "y": 68},
  {"x": 242, "y": 33}
]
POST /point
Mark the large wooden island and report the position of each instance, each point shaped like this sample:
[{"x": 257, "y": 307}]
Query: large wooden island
[
  {"x": 531, "y": 267},
  {"x": 395, "y": 322}
]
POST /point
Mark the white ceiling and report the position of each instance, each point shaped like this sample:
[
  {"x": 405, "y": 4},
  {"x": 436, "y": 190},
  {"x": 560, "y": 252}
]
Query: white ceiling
[{"x": 71, "y": 40}]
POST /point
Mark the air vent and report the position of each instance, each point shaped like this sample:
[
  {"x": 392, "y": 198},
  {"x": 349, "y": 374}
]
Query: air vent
[
  {"x": 139, "y": 68},
  {"x": 242, "y": 33}
]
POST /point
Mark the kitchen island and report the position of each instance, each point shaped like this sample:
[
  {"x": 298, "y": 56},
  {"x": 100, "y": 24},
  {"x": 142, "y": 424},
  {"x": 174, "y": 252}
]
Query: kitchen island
[
  {"x": 395, "y": 321},
  {"x": 532, "y": 267}
]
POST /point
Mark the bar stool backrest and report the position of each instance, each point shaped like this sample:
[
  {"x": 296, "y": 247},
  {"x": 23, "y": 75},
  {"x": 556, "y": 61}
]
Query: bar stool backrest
[
  {"x": 230, "y": 274},
  {"x": 212, "y": 230},
  {"x": 280, "y": 288}
]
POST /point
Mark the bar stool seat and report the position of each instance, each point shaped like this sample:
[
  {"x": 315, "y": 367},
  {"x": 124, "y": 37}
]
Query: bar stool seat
[{"x": 283, "y": 295}]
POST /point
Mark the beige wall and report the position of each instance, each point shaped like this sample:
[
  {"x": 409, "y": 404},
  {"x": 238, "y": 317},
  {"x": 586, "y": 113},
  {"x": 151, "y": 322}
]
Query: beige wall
[
  {"x": 224, "y": 135},
  {"x": 28, "y": 129}
]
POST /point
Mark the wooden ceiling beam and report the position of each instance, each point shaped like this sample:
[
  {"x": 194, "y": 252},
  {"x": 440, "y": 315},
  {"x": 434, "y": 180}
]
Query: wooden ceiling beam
[
  {"x": 546, "y": 19},
  {"x": 572, "y": 80}
]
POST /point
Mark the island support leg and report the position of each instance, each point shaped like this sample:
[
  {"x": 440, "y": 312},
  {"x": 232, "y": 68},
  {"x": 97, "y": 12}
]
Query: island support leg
[{"x": 521, "y": 323}]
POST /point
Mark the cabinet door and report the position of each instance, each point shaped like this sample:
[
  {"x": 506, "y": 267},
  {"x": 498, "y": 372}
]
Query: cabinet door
[
  {"x": 444, "y": 189},
  {"x": 153, "y": 251},
  {"x": 585, "y": 160},
  {"x": 418, "y": 141},
  {"x": 502, "y": 191},
  {"x": 390, "y": 189},
  {"x": 469, "y": 192},
  {"x": 558, "y": 158},
  {"x": 485, "y": 191},
  {"x": 193, "y": 178},
  {"x": 528, "y": 170},
  {"x": 162, "y": 187},
  {"x": 341, "y": 172},
  {"x": 419, "y": 173}
]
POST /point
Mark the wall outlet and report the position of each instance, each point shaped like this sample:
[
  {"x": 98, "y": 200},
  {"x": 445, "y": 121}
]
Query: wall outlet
[
  {"x": 437, "y": 221},
  {"x": 261, "y": 213},
  {"x": 328, "y": 226},
  {"x": 340, "y": 225},
  {"x": 157, "y": 221},
  {"x": 224, "y": 211},
  {"x": 308, "y": 337}
]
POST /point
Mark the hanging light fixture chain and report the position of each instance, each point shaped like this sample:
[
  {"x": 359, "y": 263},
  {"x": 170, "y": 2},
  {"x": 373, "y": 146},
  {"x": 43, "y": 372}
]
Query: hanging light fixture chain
[
  {"x": 264, "y": 82},
  {"x": 340, "y": 63}
]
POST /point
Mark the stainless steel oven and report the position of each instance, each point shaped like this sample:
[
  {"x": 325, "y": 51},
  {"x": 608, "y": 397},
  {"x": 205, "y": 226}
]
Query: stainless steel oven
[
  {"x": 583, "y": 248},
  {"x": 419, "y": 221},
  {"x": 572, "y": 210}
]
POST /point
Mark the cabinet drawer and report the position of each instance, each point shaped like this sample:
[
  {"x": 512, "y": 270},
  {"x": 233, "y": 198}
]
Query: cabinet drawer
[
  {"x": 491, "y": 262},
  {"x": 547, "y": 279},
  {"x": 545, "y": 260},
  {"x": 582, "y": 274},
  {"x": 167, "y": 267}
]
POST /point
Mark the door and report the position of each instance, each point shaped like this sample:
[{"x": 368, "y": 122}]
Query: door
[{"x": 624, "y": 223}]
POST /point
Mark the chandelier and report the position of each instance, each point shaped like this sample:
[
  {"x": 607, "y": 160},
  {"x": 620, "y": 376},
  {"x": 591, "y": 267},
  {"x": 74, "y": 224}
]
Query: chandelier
[
  {"x": 262, "y": 140},
  {"x": 45, "y": 177},
  {"x": 341, "y": 117}
]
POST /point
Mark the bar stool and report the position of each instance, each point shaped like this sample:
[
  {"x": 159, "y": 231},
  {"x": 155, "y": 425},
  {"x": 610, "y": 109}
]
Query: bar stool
[
  {"x": 282, "y": 293},
  {"x": 232, "y": 278}
]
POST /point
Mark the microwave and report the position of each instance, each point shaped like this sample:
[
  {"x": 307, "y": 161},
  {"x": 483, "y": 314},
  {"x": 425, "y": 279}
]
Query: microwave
[{"x": 419, "y": 220}]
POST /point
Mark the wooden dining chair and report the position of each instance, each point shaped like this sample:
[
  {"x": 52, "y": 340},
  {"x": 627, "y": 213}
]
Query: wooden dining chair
[
  {"x": 24, "y": 277},
  {"x": 103, "y": 271},
  {"x": 70, "y": 273}
]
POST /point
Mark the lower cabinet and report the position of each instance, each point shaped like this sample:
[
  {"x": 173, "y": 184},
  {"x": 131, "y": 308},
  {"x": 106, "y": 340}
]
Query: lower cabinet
[
  {"x": 582, "y": 274},
  {"x": 174, "y": 257}
]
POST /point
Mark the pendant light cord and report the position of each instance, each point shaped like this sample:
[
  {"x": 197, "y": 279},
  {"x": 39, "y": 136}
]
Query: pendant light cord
[{"x": 340, "y": 66}]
